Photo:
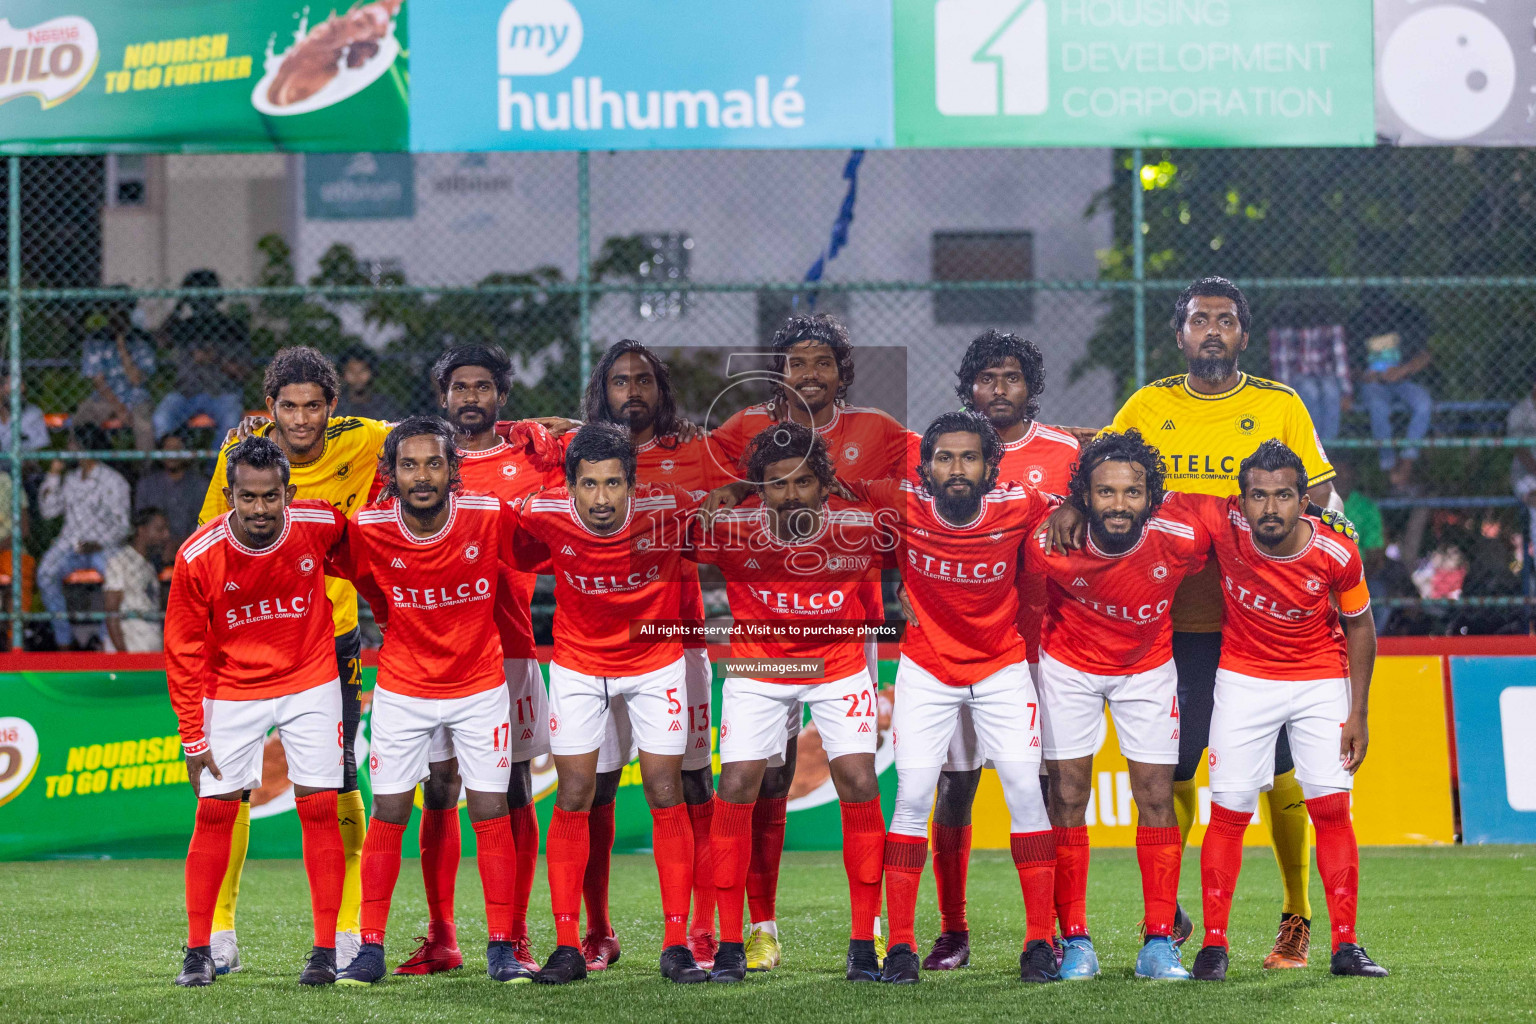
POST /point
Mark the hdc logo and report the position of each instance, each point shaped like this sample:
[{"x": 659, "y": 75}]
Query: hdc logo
[{"x": 990, "y": 57}]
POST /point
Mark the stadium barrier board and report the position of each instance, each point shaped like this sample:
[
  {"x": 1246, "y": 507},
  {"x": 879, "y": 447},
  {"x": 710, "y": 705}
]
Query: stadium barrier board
[{"x": 90, "y": 765}]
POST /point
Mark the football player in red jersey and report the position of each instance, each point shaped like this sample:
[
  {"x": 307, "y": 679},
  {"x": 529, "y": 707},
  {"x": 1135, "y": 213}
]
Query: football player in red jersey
[
  {"x": 248, "y": 649},
  {"x": 813, "y": 368},
  {"x": 428, "y": 560},
  {"x": 632, "y": 387},
  {"x": 799, "y": 557},
  {"x": 1290, "y": 660},
  {"x": 473, "y": 382},
  {"x": 615, "y": 552},
  {"x": 1001, "y": 376},
  {"x": 1108, "y": 638},
  {"x": 960, "y": 541}
]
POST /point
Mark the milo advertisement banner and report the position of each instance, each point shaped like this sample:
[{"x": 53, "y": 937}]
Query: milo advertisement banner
[
  {"x": 91, "y": 766},
  {"x": 202, "y": 76}
]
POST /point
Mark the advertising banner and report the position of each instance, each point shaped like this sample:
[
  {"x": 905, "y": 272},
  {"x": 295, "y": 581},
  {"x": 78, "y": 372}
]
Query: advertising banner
[
  {"x": 1408, "y": 741},
  {"x": 1457, "y": 72},
  {"x": 202, "y": 76},
  {"x": 1132, "y": 73},
  {"x": 1495, "y": 759},
  {"x": 91, "y": 766},
  {"x": 665, "y": 74}
]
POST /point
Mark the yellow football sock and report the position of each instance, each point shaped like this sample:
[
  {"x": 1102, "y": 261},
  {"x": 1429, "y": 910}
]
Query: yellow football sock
[
  {"x": 1284, "y": 810},
  {"x": 354, "y": 827},
  {"x": 229, "y": 891},
  {"x": 1186, "y": 805}
]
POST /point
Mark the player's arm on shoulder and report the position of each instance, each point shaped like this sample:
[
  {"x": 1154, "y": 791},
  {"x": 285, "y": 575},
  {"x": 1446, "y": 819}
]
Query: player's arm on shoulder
[{"x": 214, "y": 504}]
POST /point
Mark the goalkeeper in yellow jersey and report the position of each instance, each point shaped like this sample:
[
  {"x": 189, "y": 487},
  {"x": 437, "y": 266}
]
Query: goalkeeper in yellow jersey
[{"x": 333, "y": 460}]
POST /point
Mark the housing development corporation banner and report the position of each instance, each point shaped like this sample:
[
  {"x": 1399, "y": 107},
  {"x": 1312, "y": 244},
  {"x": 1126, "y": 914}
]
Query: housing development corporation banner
[
  {"x": 202, "y": 76},
  {"x": 90, "y": 766}
]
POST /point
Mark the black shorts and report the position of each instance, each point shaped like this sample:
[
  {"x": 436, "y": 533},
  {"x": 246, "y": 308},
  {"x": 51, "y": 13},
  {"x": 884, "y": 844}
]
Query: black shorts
[
  {"x": 349, "y": 669},
  {"x": 1195, "y": 657}
]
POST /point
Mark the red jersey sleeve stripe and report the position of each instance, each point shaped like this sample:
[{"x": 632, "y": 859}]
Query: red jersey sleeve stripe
[
  {"x": 203, "y": 544},
  {"x": 1052, "y": 434},
  {"x": 1332, "y": 548}
]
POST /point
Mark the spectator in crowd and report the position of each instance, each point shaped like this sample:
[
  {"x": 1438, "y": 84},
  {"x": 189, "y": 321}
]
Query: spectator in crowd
[
  {"x": 1521, "y": 422},
  {"x": 1383, "y": 577},
  {"x": 28, "y": 563},
  {"x": 209, "y": 347},
  {"x": 358, "y": 368},
  {"x": 94, "y": 500},
  {"x": 1396, "y": 355},
  {"x": 34, "y": 428},
  {"x": 1307, "y": 352},
  {"x": 132, "y": 584},
  {"x": 118, "y": 359},
  {"x": 176, "y": 487}
]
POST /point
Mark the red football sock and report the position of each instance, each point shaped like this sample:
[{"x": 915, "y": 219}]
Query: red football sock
[
  {"x": 441, "y": 849},
  {"x": 1034, "y": 854},
  {"x": 594, "y": 883},
  {"x": 498, "y": 874},
  {"x": 768, "y": 819},
  {"x": 863, "y": 855},
  {"x": 1158, "y": 851},
  {"x": 951, "y": 861},
  {"x": 672, "y": 844},
  {"x": 1072, "y": 854},
  {"x": 731, "y": 837},
  {"x": 207, "y": 860},
  {"x": 904, "y": 857},
  {"x": 525, "y": 850},
  {"x": 324, "y": 861},
  {"x": 701, "y": 816},
  {"x": 381, "y": 870},
  {"x": 565, "y": 855},
  {"x": 1338, "y": 861},
  {"x": 1221, "y": 858}
]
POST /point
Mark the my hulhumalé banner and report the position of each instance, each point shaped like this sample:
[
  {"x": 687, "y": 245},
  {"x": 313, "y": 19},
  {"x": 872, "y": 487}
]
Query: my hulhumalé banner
[
  {"x": 202, "y": 76},
  {"x": 91, "y": 766},
  {"x": 668, "y": 74}
]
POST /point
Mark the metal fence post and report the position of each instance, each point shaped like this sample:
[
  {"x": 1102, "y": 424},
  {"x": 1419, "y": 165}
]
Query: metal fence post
[
  {"x": 1139, "y": 267},
  {"x": 583, "y": 271},
  {"x": 13, "y": 316}
]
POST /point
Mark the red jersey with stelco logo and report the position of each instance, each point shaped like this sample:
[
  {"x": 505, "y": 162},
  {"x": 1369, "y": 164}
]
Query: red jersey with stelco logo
[
  {"x": 1278, "y": 620},
  {"x": 1043, "y": 459},
  {"x": 438, "y": 595},
  {"x": 962, "y": 581},
  {"x": 1108, "y": 614},
  {"x": 248, "y": 624},
  {"x": 605, "y": 582},
  {"x": 511, "y": 475},
  {"x": 817, "y": 580},
  {"x": 863, "y": 443}
]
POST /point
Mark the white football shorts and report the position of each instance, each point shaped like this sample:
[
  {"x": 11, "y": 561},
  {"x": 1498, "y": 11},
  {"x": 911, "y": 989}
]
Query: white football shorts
[{"x": 308, "y": 723}]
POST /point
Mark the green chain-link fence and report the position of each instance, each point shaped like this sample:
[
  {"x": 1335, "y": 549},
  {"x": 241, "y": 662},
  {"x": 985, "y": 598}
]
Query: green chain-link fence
[{"x": 144, "y": 294}]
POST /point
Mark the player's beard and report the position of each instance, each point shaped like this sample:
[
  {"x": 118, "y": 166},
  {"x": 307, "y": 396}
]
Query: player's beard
[
  {"x": 1212, "y": 368},
  {"x": 480, "y": 420},
  {"x": 1116, "y": 543},
  {"x": 637, "y": 418},
  {"x": 426, "y": 515},
  {"x": 953, "y": 507},
  {"x": 1272, "y": 540},
  {"x": 1004, "y": 417},
  {"x": 795, "y": 520}
]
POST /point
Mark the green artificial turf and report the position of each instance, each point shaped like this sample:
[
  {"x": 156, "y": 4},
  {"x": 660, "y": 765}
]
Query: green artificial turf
[{"x": 101, "y": 941}]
